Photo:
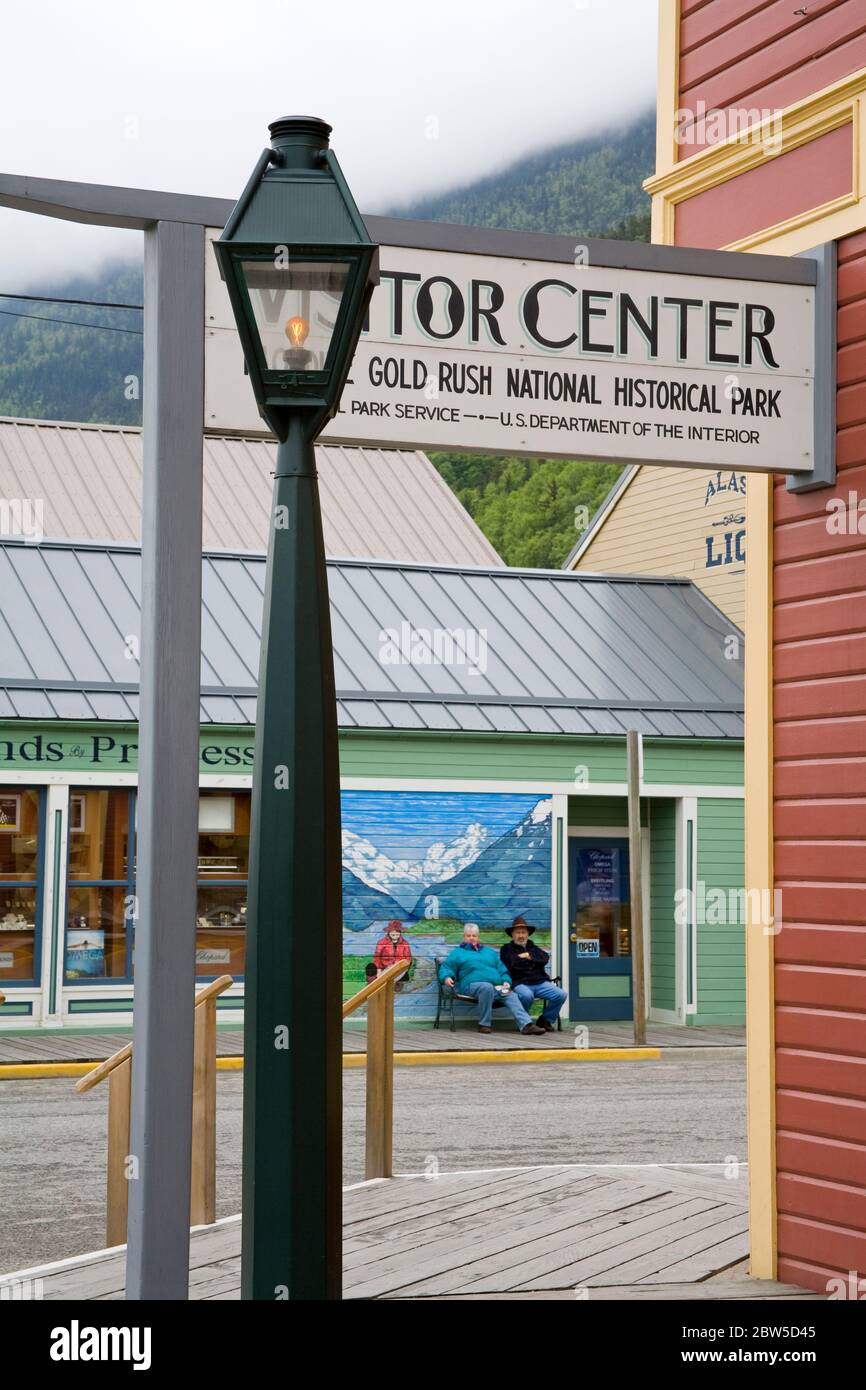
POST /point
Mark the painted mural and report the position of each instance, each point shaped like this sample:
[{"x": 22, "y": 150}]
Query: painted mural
[{"x": 433, "y": 861}]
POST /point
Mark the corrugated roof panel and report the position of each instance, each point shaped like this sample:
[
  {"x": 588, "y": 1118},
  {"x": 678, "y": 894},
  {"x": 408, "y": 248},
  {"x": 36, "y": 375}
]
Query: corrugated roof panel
[
  {"x": 72, "y": 704},
  {"x": 71, "y": 606},
  {"x": 367, "y": 714},
  {"x": 221, "y": 709},
  {"x": 573, "y": 721},
  {"x": 682, "y": 648},
  {"x": 247, "y": 708},
  {"x": 399, "y": 714},
  {"x": 345, "y": 718},
  {"x": 32, "y": 704},
  {"x": 443, "y": 717},
  {"x": 665, "y": 724},
  {"x": 729, "y": 725},
  {"x": 108, "y": 706},
  {"x": 503, "y": 719},
  {"x": 389, "y": 503},
  {"x": 546, "y": 668},
  {"x": 537, "y": 719}
]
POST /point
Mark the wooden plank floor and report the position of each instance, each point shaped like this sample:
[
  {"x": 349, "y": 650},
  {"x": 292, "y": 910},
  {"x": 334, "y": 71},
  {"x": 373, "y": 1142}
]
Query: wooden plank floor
[
  {"x": 62, "y": 1046},
  {"x": 555, "y": 1232}
]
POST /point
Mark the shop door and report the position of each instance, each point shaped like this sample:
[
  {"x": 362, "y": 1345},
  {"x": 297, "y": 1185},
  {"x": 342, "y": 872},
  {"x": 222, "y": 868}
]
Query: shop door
[{"x": 599, "y": 929}]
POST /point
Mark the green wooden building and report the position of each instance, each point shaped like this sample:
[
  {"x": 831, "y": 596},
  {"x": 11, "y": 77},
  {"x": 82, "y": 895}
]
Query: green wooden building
[{"x": 483, "y": 715}]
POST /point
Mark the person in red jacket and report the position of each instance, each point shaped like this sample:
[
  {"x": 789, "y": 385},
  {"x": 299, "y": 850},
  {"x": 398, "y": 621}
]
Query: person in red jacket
[{"x": 392, "y": 947}]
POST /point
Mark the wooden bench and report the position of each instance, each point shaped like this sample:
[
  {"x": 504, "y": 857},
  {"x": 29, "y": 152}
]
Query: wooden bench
[{"x": 448, "y": 996}]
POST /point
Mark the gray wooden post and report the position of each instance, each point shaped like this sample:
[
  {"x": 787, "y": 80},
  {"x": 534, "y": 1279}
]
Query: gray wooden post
[
  {"x": 635, "y": 860},
  {"x": 170, "y": 647}
]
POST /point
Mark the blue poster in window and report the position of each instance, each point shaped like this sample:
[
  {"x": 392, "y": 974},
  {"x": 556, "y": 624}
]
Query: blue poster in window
[
  {"x": 85, "y": 953},
  {"x": 598, "y": 875}
]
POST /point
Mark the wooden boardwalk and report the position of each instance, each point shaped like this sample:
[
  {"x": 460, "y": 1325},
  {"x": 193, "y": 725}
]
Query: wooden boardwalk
[
  {"x": 67, "y": 1046},
  {"x": 559, "y": 1232}
]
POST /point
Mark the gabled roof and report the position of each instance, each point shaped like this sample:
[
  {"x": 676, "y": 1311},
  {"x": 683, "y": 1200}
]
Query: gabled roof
[
  {"x": 601, "y": 514},
  {"x": 553, "y": 653},
  {"x": 390, "y": 504}
]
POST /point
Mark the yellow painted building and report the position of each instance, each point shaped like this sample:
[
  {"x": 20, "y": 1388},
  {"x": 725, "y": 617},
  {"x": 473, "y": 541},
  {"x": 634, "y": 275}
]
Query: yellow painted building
[{"x": 678, "y": 521}]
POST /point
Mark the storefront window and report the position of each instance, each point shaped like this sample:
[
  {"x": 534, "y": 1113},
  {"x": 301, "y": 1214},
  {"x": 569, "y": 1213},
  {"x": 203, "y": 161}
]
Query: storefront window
[
  {"x": 100, "y": 931},
  {"x": 602, "y": 921},
  {"x": 20, "y": 850},
  {"x": 100, "y": 915},
  {"x": 223, "y": 867}
]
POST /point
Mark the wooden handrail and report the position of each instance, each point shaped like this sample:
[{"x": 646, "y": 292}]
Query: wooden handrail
[
  {"x": 118, "y": 1069},
  {"x": 379, "y": 993},
  {"x": 218, "y": 986},
  {"x": 105, "y": 1068},
  {"x": 392, "y": 973}
]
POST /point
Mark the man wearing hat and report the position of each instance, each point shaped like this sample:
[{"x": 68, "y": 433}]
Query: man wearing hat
[{"x": 526, "y": 964}]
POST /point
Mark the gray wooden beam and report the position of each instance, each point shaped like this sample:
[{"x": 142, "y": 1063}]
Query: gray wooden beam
[
  {"x": 162, "y": 1074},
  {"x": 823, "y": 473},
  {"x": 109, "y": 206}
]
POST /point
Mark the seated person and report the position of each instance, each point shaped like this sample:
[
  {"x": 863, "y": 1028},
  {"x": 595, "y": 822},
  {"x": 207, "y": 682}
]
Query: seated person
[
  {"x": 526, "y": 964},
  {"x": 477, "y": 970},
  {"x": 392, "y": 947}
]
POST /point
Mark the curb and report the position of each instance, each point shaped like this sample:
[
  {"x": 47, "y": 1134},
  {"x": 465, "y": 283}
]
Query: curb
[
  {"x": 539, "y": 1054},
  {"x": 33, "y": 1071}
]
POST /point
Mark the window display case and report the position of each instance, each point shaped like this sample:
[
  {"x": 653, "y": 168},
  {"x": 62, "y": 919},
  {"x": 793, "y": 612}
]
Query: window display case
[{"x": 20, "y": 852}]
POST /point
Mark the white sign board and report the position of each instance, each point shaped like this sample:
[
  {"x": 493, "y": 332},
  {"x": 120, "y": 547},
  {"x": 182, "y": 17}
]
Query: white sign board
[{"x": 501, "y": 355}]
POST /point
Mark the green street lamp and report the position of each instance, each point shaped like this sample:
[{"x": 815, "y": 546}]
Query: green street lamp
[{"x": 299, "y": 267}]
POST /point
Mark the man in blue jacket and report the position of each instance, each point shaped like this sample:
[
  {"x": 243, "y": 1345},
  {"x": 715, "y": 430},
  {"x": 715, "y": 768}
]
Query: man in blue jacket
[{"x": 477, "y": 970}]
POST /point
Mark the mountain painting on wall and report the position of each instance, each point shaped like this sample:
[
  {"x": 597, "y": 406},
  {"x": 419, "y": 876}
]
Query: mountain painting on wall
[
  {"x": 511, "y": 875},
  {"x": 434, "y": 861},
  {"x": 363, "y": 904},
  {"x": 426, "y": 856}
]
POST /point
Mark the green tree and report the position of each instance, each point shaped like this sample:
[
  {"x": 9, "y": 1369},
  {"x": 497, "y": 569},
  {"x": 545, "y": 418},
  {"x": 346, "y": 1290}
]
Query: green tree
[{"x": 531, "y": 510}]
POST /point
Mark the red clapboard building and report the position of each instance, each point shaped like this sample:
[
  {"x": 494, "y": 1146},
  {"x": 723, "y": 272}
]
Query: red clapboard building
[{"x": 762, "y": 148}]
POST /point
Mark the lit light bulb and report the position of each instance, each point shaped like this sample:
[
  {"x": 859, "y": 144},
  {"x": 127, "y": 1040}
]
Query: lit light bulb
[{"x": 297, "y": 330}]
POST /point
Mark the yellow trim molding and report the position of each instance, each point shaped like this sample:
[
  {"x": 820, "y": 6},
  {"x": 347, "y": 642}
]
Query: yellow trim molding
[
  {"x": 760, "y": 998},
  {"x": 842, "y": 103},
  {"x": 667, "y": 89}
]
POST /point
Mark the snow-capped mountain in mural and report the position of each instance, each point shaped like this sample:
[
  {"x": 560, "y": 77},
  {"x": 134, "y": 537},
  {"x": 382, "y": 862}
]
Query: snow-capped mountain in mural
[
  {"x": 363, "y": 905},
  {"x": 511, "y": 875},
  {"x": 403, "y": 878}
]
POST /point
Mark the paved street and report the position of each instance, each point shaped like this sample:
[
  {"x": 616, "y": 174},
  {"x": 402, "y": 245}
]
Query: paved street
[{"x": 687, "y": 1108}]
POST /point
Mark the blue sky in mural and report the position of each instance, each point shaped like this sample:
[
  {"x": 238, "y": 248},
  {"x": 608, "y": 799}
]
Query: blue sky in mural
[
  {"x": 400, "y": 844},
  {"x": 409, "y": 822}
]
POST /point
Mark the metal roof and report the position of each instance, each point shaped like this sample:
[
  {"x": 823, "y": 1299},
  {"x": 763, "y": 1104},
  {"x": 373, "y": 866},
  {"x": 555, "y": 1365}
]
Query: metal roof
[
  {"x": 555, "y": 653},
  {"x": 387, "y": 504}
]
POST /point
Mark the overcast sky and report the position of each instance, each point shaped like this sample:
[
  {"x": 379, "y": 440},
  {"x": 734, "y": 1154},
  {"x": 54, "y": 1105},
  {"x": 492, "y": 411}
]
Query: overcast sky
[{"x": 177, "y": 94}]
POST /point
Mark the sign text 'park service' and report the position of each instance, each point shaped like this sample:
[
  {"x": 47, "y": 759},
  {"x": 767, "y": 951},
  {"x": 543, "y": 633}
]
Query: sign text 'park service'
[{"x": 503, "y": 355}]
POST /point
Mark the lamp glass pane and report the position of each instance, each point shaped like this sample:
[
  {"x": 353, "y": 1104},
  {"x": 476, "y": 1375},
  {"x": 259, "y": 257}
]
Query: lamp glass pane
[{"x": 295, "y": 309}]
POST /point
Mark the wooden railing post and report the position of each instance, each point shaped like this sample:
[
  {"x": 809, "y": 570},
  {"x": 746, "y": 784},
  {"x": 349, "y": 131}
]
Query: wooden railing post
[
  {"x": 117, "y": 1186},
  {"x": 378, "y": 1160},
  {"x": 118, "y": 1069},
  {"x": 202, "y": 1207},
  {"x": 378, "y": 995}
]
